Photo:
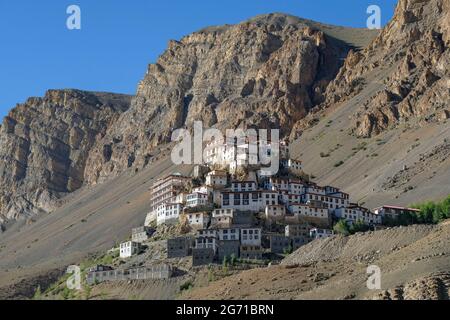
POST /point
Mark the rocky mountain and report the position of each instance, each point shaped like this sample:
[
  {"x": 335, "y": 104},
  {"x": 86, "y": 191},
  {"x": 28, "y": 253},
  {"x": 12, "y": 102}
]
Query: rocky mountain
[
  {"x": 44, "y": 147},
  {"x": 370, "y": 110},
  {"x": 382, "y": 132},
  {"x": 265, "y": 72},
  {"x": 274, "y": 71},
  {"x": 413, "y": 55}
]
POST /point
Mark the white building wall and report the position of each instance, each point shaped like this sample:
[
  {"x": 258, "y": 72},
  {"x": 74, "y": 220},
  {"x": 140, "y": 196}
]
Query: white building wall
[
  {"x": 251, "y": 236},
  {"x": 128, "y": 249},
  {"x": 229, "y": 234},
  {"x": 168, "y": 213}
]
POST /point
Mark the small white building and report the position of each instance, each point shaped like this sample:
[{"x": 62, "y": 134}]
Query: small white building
[
  {"x": 251, "y": 236},
  {"x": 168, "y": 213},
  {"x": 222, "y": 218},
  {"x": 275, "y": 212},
  {"x": 315, "y": 190},
  {"x": 229, "y": 234},
  {"x": 223, "y": 213},
  {"x": 290, "y": 198},
  {"x": 217, "y": 178},
  {"x": 317, "y": 233},
  {"x": 269, "y": 198},
  {"x": 296, "y": 187},
  {"x": 245, "y": 156},
  {"x": 352, "y": 214},
  {"x": 180, "y": 198},
  {"x": 277, "y": 184},
  {"x": 301, "y": 209},
  {"x": 239, "y": 186},
  {"x": 129, "y": 249},
  {"x": 196, "y": 199},
  {"x": 214, "y": 153},
  {"x": 332, "y": 202},
  {"x": 207, "y": 239},
  {"x": 198, "y": 220},
  {"x": 254, "y": 201}
]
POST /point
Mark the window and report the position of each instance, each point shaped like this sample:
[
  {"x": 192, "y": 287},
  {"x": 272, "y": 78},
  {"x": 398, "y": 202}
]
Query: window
[{"x": 245, "y": 199}]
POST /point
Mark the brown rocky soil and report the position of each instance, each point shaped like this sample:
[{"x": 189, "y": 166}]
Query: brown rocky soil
[{"x": 414, "y": 263}]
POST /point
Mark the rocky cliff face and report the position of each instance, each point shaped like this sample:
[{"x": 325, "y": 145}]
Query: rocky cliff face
[
  {"x": 44, "y": 146},
  {"x": 413, "y": 55},
  {"x": 267, "y": 72}
]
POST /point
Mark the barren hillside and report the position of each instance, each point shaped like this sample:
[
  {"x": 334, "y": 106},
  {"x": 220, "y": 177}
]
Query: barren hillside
[
  {"x": 383, "y": 132},
  {"x": 91, "y": 220},
  {"x": 414, "y": 263},
  {"x": 378, "y": 128}
]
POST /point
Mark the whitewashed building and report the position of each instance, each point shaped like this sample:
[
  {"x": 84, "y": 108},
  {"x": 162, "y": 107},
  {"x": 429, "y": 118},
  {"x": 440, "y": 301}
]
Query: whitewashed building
[
  {"x": 222, "y": 218},
  {"x": 215, "y": 153},
  {"x": 289, "y": 198},
  {"x": 301, "y": 209},
  {"x": 229, "y": 234},
  {"x": 207, "y": 239},
  {"x": 296, "y": 187},
  {"x": 277, "y": 184},
  {"x": 354, "y": 213},
  {"x": 329, "y": 201},
  {"x": 275, "y": 212},
  {"x": 297, "y": 230},
  {"x": 251, "y": 236},
  {"x": 238, "y": 186},
  {"x": 254, "y": 201},
  {"x": 180, "y": 198},
  {"x": 165, "y": 190},
  {"x": 129, "y": 249},
  {"x": 196, "y": 199},
  {"x": 198, "y": 220},
  {"x": 168, "y": 213},
  {"x": 223, "y": 213},
  {"x": 217, "y": 178}
]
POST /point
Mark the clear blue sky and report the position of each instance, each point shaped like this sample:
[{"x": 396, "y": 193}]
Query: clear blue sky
[{"x": 119, "y": 38}]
